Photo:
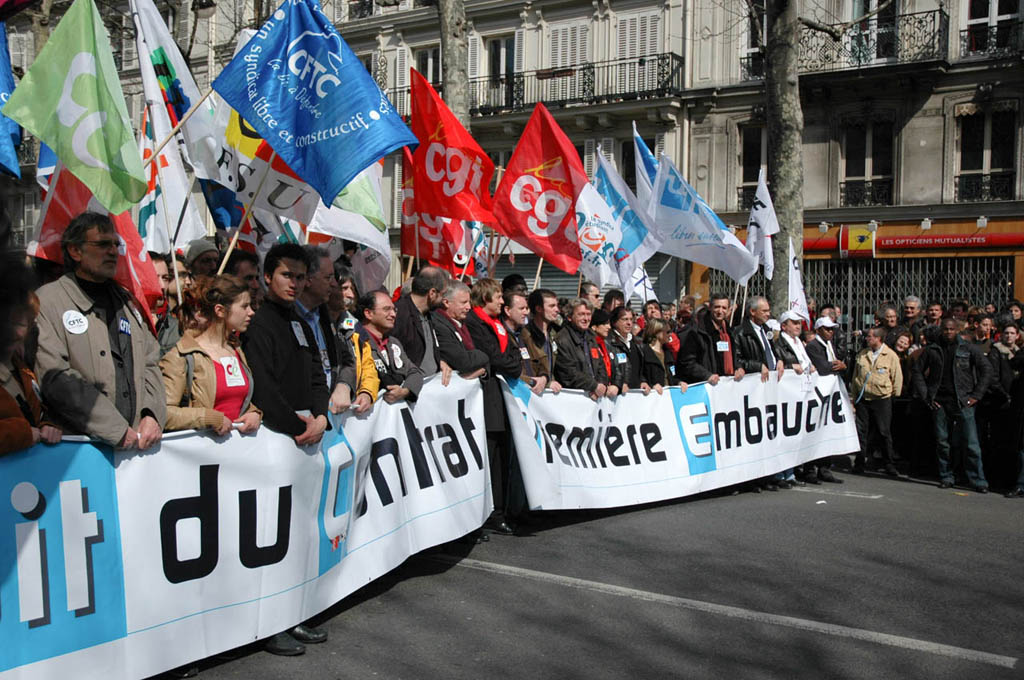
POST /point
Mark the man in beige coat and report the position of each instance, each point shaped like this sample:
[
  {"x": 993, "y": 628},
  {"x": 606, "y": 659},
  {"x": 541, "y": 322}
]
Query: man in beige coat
[
  {"x": 97, "y": 360},
  {"x": 877, "y": 378}
]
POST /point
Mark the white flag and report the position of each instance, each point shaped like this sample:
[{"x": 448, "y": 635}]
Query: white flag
[
  {"x": 797, "y": 298},
  {"x": 599, "y": 237},
  {"x": 645, "y": 166},
  {"x": 641, "y": 285},
  {"x": 761, "y": 226},
  {"x": 690, "y": 229}
]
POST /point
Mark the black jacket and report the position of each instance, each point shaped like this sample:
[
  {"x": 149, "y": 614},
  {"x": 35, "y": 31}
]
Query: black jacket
[
  {"x": 578, "y": 364},
  {"x": 656, "y": 374},
  {"x": 339, "y": 352},
  {"x": 287, "y": 373},
  {"x": 450, "y": 348},
  {"x": 629, "y": 360},
  {"x": 396, "y": 368},
  {"x": 699, "y": 357},
  {"x": 409, "y": 329},
  {"x": 748, "y": 349},
  {"x": 972, "y": 372},
  {"x": 819, "y": 356},
  {"x": 785, "y": 353},
  {"x": 508, "y": 364}
]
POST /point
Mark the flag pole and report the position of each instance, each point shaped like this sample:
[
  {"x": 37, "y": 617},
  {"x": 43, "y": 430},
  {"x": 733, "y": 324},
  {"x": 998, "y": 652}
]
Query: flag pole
[
  {"x": 408, "y": 266},
  {"x": 536, "y": 277},
  {"x": 579, "y": 286},
  {"x": 245, "y": 215},
  {"x": 167, "y": 225},
  {"x": 184, "y": 119}
]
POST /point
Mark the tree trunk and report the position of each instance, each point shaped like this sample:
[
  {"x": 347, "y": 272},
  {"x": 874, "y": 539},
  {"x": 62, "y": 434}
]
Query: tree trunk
[
  {"x": 455, "y": 58},
  {"x": 40, "y": 26},
  {"x": 785, "y": 122}
]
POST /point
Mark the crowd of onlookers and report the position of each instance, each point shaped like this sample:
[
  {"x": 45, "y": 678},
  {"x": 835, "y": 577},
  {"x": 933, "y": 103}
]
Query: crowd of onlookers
[{"x": 280, "y": 343}]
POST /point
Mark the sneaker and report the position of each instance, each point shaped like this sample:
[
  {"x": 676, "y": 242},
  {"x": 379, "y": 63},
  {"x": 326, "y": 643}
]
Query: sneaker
[
  {"x": 946, "y": 484},
  {"x": 1016, "y": 493},
  {"x": 981, "y": 489}
]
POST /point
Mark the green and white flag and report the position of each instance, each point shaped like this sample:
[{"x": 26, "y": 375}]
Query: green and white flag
[{"x": 71, "y": 99}]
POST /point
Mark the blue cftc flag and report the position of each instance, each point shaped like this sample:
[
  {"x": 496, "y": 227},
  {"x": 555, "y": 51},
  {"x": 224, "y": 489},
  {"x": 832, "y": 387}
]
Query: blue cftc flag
[
  {"x": 300, "y": 86},
  {"x": 10, "y": 132}
]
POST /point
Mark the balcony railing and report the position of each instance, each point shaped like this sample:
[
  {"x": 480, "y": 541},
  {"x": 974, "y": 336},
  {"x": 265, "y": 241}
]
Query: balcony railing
[
  {"x": 752, "y": 67},
  {"x": 745, "y": 197},
  {"x": 1005, "y": 39},
  {"x": 905, "y": 38},
  {"x": 996, "y": 186},
  {"x": 855, "y": 193},
  {"x": 361, "y": 9}
]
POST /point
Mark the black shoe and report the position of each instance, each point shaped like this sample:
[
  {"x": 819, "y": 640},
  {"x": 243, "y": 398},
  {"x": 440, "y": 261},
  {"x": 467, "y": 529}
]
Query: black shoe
[
  {"x": 284, "y": 644},
  {"x": 771, "y": 486},
  {"x": 1016, "y": 493},
  {"x": 500, "y": 527},
  {"x": 827, "y": 476},
  {"x": 796, "y": 482},
  {"x": 981, "y": 489},
  {"x": 891, "y": 470},
  {"x": 946, "y": 484},
  {"x": 308, "y": 634},
  {"x": 858, "y": 469},
  {"x": 812, "y": 479},
  {"x": 186, "y": 671}
]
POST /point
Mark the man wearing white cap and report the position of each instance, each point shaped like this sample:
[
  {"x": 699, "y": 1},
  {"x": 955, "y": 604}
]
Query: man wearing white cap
[
  {"x": 789, "y": 348},
  {"x": 825, "y": 358}
]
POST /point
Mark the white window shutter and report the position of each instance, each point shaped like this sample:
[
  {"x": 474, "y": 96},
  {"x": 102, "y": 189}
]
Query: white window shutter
[
  {"x": 396, "y": 204},
  {"x": 659, "y": 144},
  {"x": 582, "y": 55},
  {"x": 589, "y": 151},
  {"x": 608, "y": 149},
  {"x": 18, "y": 48},
  {"x": 520, "y": 38},
  {"x": 183, "y": 26},
  {"x": 402, "y": 67},
  {"x": 474, "y": 56}
]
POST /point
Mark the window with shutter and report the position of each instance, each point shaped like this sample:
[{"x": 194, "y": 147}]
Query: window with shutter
[
  {"x": 520, "y": 65},
  {"x": 589, "y": 159},
  {"x": 396, "y": 187},
  {"x": 608, "y": 149},
  {"x": 569, "y": 50},
  {"x": 639, "y": 37},
  {"x": 401, "y": 97}
]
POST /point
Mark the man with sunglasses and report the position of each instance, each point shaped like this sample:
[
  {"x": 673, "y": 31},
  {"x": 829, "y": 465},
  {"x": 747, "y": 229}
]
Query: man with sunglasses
[{"x": 97, "y": 360}]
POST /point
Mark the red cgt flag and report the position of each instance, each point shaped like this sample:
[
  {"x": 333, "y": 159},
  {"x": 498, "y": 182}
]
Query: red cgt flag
[
  {"x": 535, "y": 202},
  {"x": 66, "y": 199},
  {"x": 452, "y": 172}
]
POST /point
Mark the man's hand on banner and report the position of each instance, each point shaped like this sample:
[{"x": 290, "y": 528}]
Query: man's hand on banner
[
  {"x": 395, "y": 393},
  {"x": 797, "y": 368},
  {"x": 598, "y": 391},
  {"x": 764, "y": 373},
  {"x": 657, "y": 388},
  {"x": 539, "y": 384},
  {"x": 362, "y": 403},
  {"x": 645, "y": 388},
  {"x": 612, "y": 391},
  {"x": 149, "y": 432},
  {"x": 446, "y": 373},
  {"x": 341, "y": 399},
  {"x": 478, "y": 373},
  {"x": 780, "y": 368},
  {"x": 713, "y": 380},
  {"x": 555, "y": 387},
  {"x": 250, "y": 422},
  {"x": 48, "y": 434},
  {"x": 314, "y": 430}
]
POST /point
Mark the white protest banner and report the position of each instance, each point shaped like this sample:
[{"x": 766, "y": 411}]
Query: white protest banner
[
  {"x": 578, "y": 453},
  {"x": 125, "y": 565}
]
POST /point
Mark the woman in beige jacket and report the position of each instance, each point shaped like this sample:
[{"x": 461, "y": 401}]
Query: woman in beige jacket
[{"x": 219, "y": 394}]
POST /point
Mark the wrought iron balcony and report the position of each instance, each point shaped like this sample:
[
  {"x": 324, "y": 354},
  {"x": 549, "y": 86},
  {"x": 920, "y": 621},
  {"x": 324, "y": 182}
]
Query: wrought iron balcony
[
  {"x": 996, "y": 186},
  {"x": 361, "y": 9},
  {"x": 752, "y": 67},
  {"x": 1005, "y": 39},
  {"x": 855, "y": 193},
  {"x": 906, "y": 38},
  {"x": 658, "y": 75},
  {"x": 745, "y": 197}
]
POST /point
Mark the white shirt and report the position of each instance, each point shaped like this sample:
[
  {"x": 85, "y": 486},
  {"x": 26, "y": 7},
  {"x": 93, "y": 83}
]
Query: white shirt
[{"x": 801, "y": 352}]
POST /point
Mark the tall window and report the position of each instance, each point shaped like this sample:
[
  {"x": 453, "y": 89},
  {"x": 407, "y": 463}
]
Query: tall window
[
  {"x": 867, "y": 164},
  {"x": 993, "y": 26},
  {"x": 753, "y": 157},
  {"x": 987, "y": 149},
  {"x": 752, "y": 59},
  {"x": 500, "y": 54},
  {"x": 428, "y": 63},
  {"x": 873, "y": 38}
]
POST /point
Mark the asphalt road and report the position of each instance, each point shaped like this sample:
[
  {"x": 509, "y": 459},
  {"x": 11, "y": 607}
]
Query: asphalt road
[{"x": 875, "y": 578}]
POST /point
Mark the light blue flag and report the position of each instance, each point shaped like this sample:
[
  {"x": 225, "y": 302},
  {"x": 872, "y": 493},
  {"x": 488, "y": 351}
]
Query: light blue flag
[
  {"x": 646, "y": 166},
  {"x": 10, "y": 132},
  {"x": 640, "y": 238},
  {"x": 45, "y": 166},
  {"x": 300, "y": 86},
  {"x": 690, "y": 229}
]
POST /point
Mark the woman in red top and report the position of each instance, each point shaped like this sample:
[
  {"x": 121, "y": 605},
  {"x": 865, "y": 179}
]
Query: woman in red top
[{"x": 220, "y": 392}]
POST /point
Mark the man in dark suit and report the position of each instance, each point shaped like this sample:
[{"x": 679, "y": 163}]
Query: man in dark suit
[
  {"x": 825, "y": 358},
  {"x": 754, "y": 352},
  {"x": 707, "y": 349},
  {"x": 412, "y": 318}
]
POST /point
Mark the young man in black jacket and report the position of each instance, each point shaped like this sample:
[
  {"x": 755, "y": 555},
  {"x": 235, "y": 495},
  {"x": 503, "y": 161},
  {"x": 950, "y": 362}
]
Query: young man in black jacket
[{"x": 289, "y": 384}]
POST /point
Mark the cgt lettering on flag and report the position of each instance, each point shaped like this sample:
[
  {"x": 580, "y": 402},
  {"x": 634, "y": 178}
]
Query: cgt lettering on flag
[{"x": 541, "y": 193}]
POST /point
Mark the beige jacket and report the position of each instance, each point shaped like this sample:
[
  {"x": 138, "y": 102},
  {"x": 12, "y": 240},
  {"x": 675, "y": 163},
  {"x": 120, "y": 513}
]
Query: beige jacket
[
  {"x": 199, "y": 413},
  {"x": 884, "y": 379},
  {"x": 76, "y": 370}
]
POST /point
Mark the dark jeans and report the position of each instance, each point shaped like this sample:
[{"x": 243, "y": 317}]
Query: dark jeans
[
  {"x": 498, "y": 461},
  {"x": 1020, "y": 470},
  {"x": 957, "y": 424},
  {"x": 874, "y": 420}
]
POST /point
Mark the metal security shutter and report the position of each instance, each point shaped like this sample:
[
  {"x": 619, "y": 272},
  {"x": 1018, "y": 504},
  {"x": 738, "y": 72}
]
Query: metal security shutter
[{"x": 860, "y": 287}]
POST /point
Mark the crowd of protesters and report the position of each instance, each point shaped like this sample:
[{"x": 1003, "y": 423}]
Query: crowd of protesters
[{"x": 937, "y": 390}]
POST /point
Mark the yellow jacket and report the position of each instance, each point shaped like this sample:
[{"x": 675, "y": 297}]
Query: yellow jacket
[
  {"x": 882, "y": 380},
  {"x": 367, "y": 379}
]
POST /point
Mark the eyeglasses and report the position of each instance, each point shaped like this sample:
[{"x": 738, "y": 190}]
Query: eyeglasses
[{"x": 104, "y": 244}]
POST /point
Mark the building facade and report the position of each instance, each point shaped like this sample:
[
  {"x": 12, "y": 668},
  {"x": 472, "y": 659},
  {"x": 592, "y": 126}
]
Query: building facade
[{"x": 913, "y": 126}]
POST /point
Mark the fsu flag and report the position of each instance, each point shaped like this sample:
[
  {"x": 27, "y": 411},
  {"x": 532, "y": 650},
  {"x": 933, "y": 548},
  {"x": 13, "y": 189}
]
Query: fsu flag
[
  {"x": 535, "y": 203},
  {"x": 67, "y": 198},
  {"x": 452, "y": 171}
]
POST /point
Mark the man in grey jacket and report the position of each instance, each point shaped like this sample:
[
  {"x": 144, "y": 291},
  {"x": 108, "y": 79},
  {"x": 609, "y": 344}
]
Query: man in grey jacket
[{"x": 98, "y": 362}]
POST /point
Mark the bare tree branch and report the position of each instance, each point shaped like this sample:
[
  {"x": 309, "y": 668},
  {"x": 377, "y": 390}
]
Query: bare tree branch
[{"x": 756, "y": 19}]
